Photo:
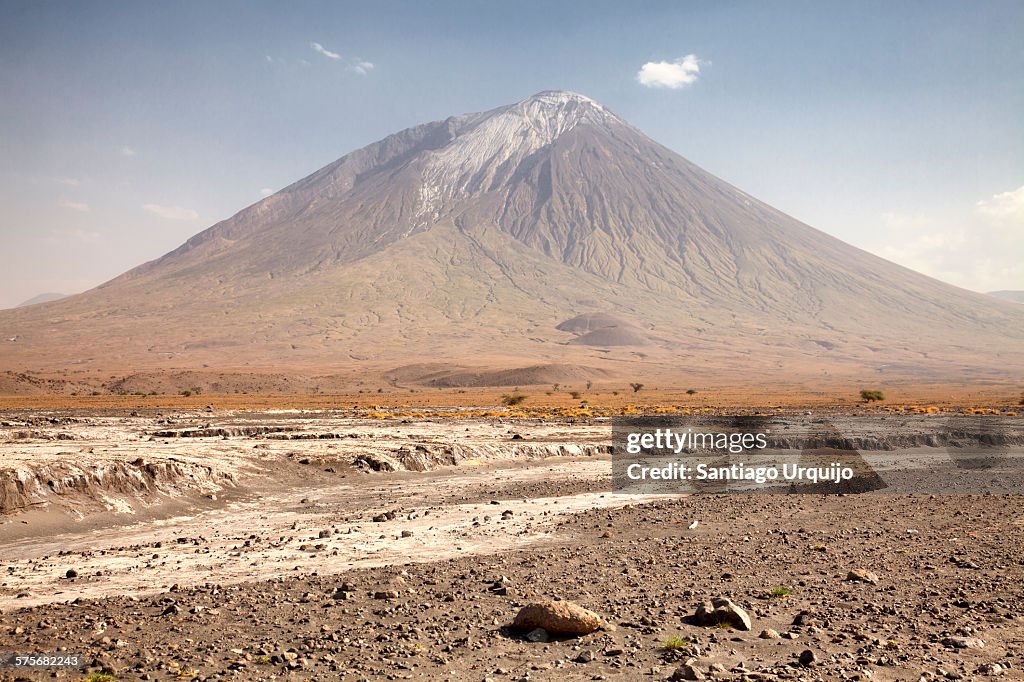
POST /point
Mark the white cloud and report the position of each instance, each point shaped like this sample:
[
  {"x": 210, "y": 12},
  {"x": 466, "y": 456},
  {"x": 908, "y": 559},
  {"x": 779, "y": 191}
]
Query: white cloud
[
  {"x": 266, "y": 192},
  {"x": 320, "y": 49},
  {"x": 171, "y": 212},
  {"x": 361, "y": 66},
  {"x": 1007, "y": 206},
  {"x": 673, "y": 75},
  {"x": 976, "y": 249},
  {"x": 127, "y": 151},
  {"x": 70, "y": 182},
  {"x": 74, "y": 205}
]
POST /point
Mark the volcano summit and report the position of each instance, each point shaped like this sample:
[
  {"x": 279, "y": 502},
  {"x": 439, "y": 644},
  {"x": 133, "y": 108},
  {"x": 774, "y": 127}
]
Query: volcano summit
[{"x": 547, "y": 238}]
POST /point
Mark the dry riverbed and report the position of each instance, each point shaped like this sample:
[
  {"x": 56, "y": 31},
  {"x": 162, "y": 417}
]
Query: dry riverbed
[{"x": 295, "y": 545}]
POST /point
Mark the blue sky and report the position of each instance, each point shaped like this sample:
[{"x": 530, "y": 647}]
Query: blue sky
[{"x": 127, "y": 127}]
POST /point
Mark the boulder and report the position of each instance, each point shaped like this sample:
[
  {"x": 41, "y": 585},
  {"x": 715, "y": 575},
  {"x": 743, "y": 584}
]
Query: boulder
[
  {"x": 559, "y": 618},
  {"x": 722, "y": 611}
]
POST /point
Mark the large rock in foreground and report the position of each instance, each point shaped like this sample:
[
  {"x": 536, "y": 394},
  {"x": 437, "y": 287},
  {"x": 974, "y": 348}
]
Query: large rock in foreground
[
  {"x": 559, "y": 618},
  {"x": 722, "y": 611}
]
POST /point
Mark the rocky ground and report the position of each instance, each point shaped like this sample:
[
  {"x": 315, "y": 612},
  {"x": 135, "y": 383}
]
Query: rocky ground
[{"x": 418, "y": 575}]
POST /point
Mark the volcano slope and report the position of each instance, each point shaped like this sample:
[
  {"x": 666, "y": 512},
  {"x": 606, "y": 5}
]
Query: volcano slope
[{"x": 472, "y": 240}]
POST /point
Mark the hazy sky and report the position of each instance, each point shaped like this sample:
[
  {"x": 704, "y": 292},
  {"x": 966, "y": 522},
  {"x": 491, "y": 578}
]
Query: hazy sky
[{"x": 127, "y": 127}]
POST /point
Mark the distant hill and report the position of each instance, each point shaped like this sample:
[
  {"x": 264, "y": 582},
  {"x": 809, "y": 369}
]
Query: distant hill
[
  {"x": 1006, "y": 295},
  {"x": 547, "y": 238},
  {"x": 41, "y": 298}
]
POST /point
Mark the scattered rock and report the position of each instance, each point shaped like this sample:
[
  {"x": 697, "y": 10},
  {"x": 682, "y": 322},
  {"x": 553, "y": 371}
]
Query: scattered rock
[
  {"x": 808, "y": 658},
  {"x": 768, "y": 633},
  {"x": 805, "y": 618},
  {"x": 585, "y": 656},
  {"x": 686, "y": 672},
  {"x": 71, "y": 573},
  {"x": 862, "y": 575},
  {"x": 964, "y": 643},
  {"x": 537, "y": 635}
]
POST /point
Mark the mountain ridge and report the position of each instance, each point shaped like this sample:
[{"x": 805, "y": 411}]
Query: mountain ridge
[{"x": 476, "y": 236}]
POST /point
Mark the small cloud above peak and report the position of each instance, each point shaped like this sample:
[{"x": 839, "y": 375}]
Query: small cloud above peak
[
  {"x": 320, "y": 49},
  {"x": 673, "y": 75},
  {"x": 356, "y": 65},
  {"x": 127, "y": 151},
  {"x": 361, "y": 66}
]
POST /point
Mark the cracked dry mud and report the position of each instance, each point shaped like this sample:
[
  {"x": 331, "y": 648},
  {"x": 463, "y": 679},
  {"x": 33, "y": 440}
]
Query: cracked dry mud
[{"x": 305, "y": 566}]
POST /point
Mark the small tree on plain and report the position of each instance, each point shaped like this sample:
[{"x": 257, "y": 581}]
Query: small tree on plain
[
  {"x": 871, "y": 395},
  {"x": 636, "y": 387}
]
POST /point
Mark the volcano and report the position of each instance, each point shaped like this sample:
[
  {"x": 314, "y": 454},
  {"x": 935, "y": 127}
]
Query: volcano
[{"x": 547, "y": 238}]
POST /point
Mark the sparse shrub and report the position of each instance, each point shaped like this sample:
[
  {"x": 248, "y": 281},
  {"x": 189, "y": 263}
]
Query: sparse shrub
[
  {"x": 615, "y": 392},
  {"x": 691, "y": 392},
  {"x": 512, "y": 399},
  {"x": 555, "y": 387},
  {"x": 780, "y": 592},
  {"x": 575, "y": 395},
  {"x": 636, "y": 387},
  {"x": 870, "y": 395},
  {"x": 674, "y": 643},
  {"x": 589, "y": 384},
  {"x": 186, "y": 393},
  {"x": 1021, "y": 400},
  {"x": 380, "y": 390},
  {"x": 95, "y": 393},
  {"x": 100, "y": 677},
  {"x": 196, "y": 390}
]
